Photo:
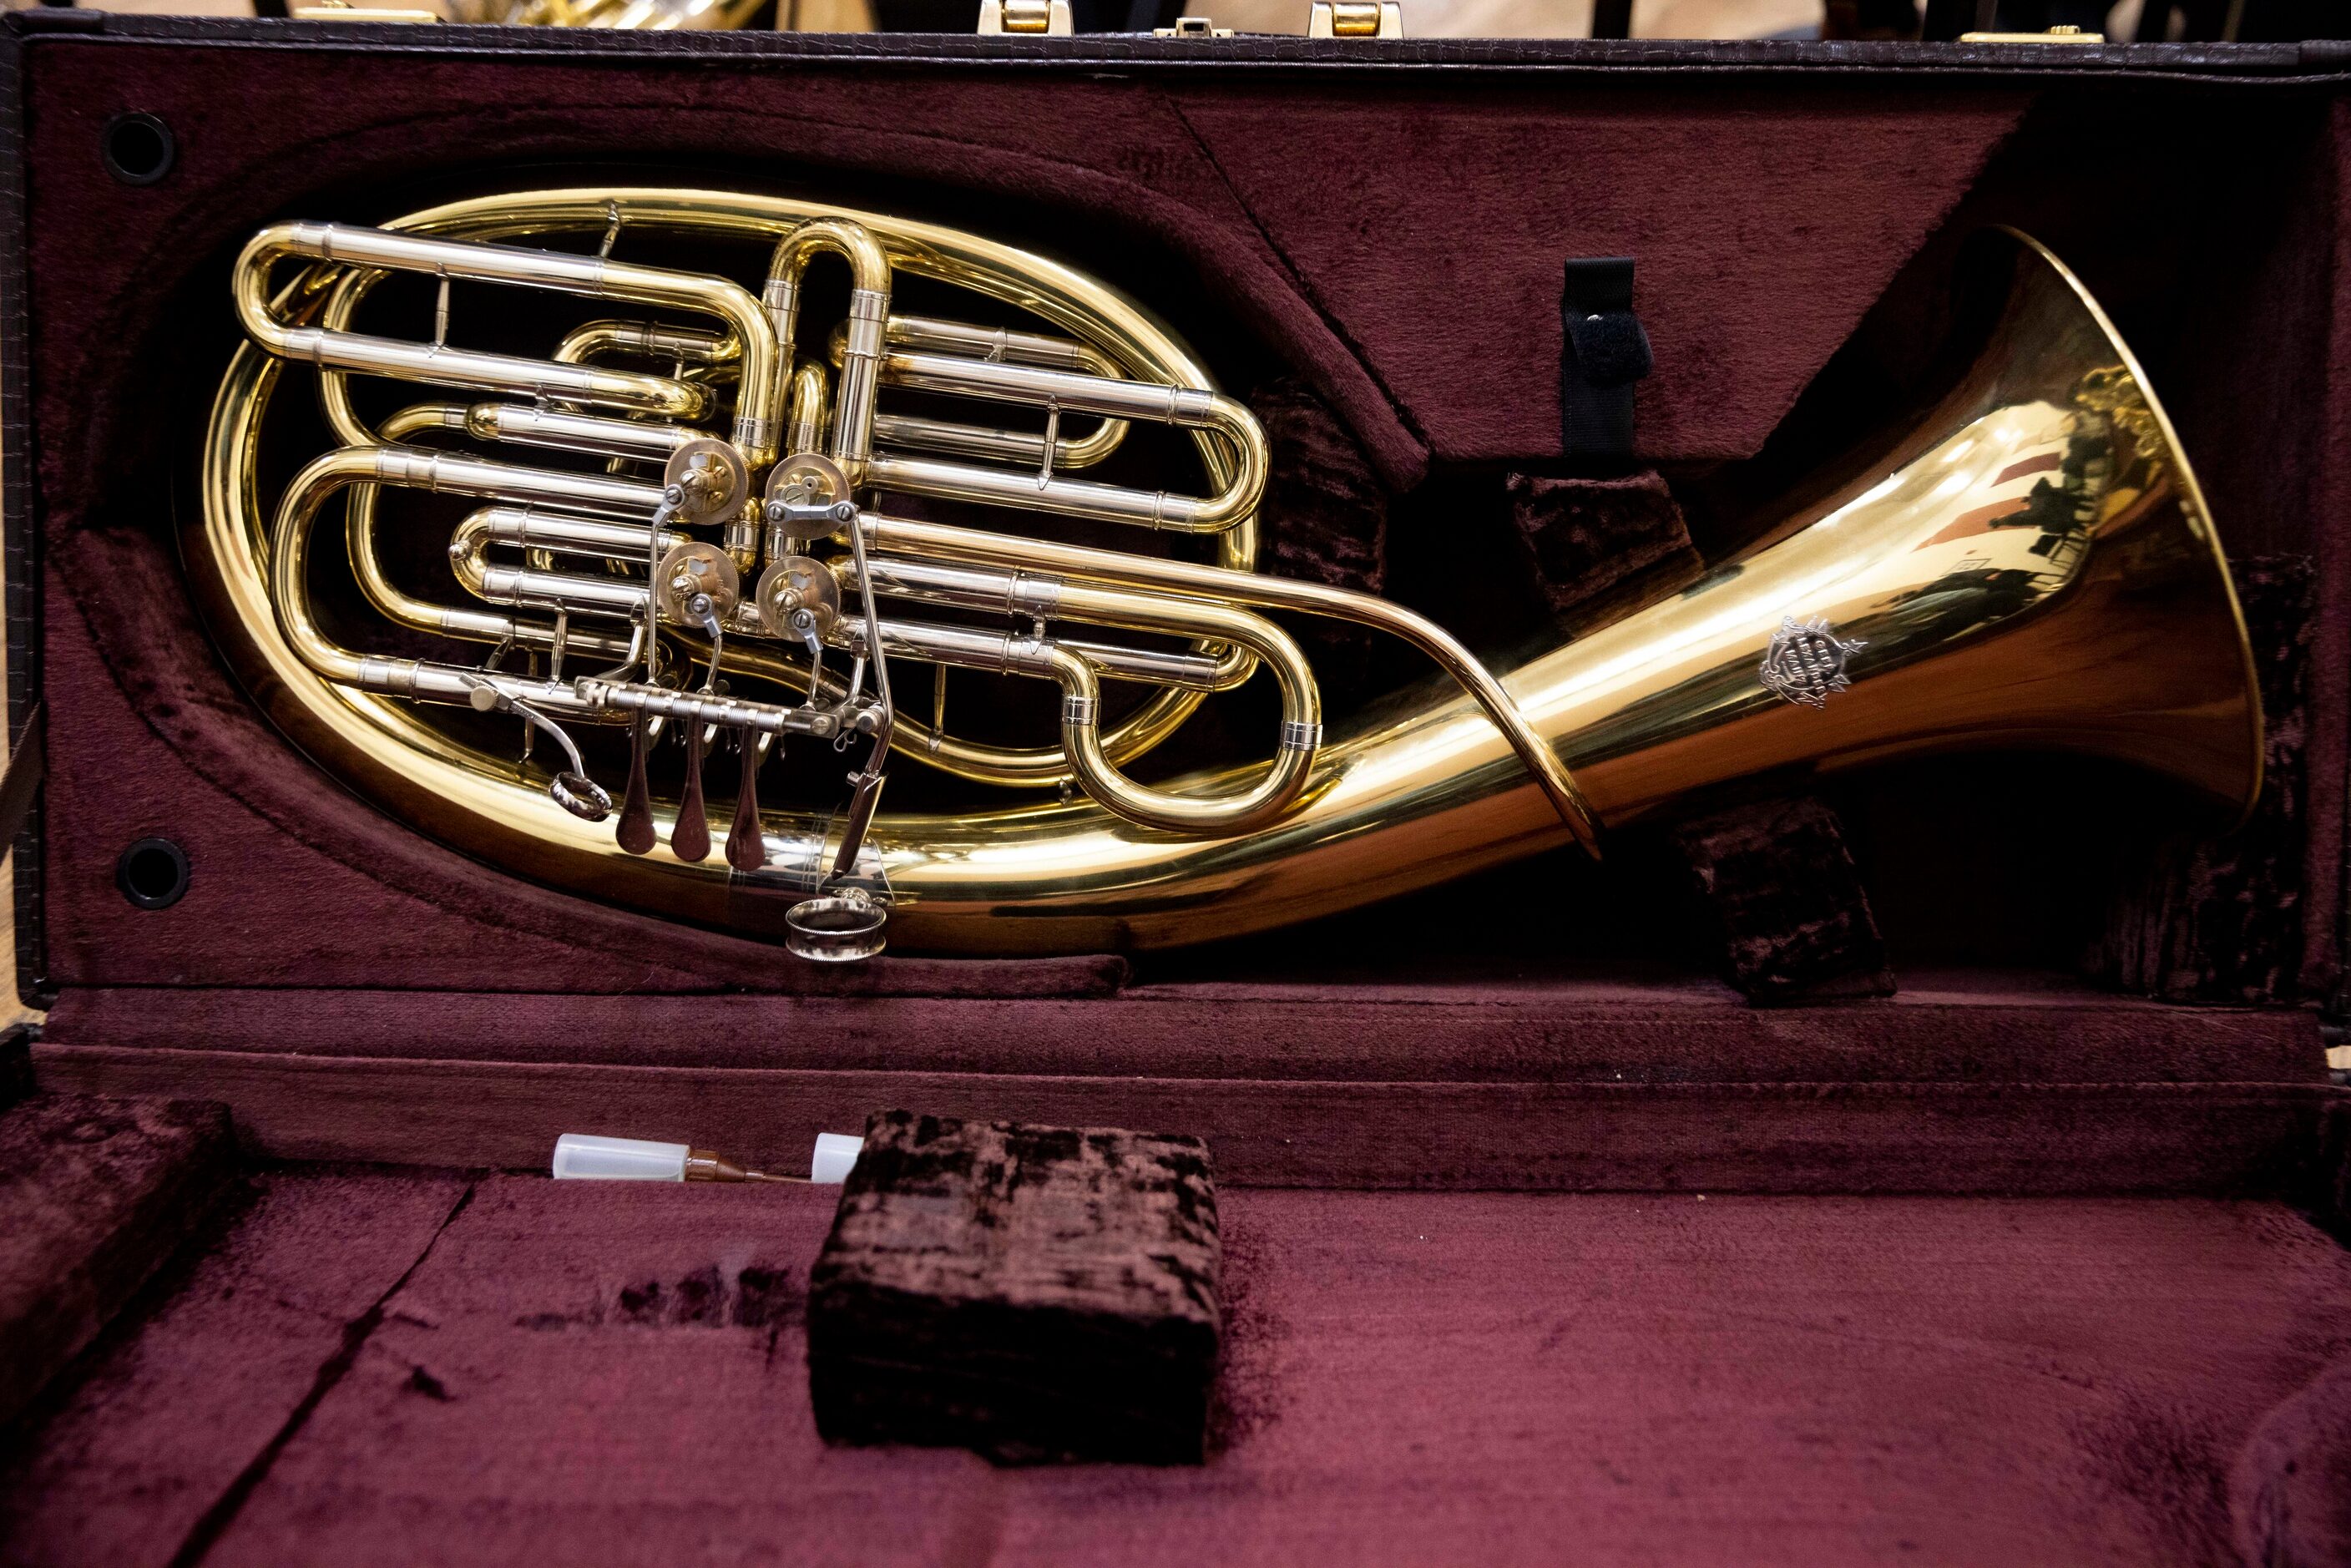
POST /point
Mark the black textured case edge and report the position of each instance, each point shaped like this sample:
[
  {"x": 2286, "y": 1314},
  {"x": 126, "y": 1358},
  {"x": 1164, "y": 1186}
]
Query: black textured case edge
[{"x": 19, "y": 535}]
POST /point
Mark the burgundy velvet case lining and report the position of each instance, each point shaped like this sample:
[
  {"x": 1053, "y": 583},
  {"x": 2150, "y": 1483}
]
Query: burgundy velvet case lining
[{"x": 1234, "y": 175}]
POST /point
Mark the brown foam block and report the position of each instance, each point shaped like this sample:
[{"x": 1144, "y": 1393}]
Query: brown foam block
[
  {"x": 95, "y": 1194},
  {"x": 1325, "y": 519},
  {"x": 1034, "y": 1293},
  {"x": 2217, "y": 916},
  {"x": 1795, "y": 917},
  {"x": 1602, "y": 548}
]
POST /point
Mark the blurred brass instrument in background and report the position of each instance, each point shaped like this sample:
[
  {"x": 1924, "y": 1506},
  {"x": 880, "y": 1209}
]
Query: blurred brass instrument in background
[{"x": 673, "y": 537}]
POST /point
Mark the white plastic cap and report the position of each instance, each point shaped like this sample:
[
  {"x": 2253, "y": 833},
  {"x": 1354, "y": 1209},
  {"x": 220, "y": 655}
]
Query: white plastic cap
[
  {"x": 835, "y": 1154},
  {"x": 583, "y": 1156}
]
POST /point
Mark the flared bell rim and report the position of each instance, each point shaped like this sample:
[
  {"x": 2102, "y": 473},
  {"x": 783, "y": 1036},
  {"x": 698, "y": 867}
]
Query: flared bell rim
[{"x": 2241, "y": 801}]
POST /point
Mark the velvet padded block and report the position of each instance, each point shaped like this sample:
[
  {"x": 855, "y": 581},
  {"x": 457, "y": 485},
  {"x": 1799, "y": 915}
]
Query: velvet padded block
[
  {"x": 141, "y": 1447},
  {"x": 96, "y": 1194},
  {"x": 1034, "y": 1293}
]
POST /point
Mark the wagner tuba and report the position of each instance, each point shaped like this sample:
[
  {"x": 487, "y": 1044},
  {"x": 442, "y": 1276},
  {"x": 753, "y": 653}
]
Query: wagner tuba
[{"x": 663, "y": 559}]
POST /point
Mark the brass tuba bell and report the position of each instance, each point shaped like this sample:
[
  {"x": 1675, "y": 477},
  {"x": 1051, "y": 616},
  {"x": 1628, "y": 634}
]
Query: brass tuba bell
[{"x": 690, "y": 560}]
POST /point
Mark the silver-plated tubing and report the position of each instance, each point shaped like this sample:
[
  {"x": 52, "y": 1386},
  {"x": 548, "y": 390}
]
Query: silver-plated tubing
[
  {"x": 1023, "y": 654},
  {"x": 1028, "y": 595},
  {"x": 399, "y": 606},
  {"x": 1259, "y": 804},
  {"x": 1067, "y": 498},
  {"x": 933, "y": 334},
  {"x": 290, "y": 533},
  {"x": 758, "y": 409},
  {"x": 915, "y": 432},
  {"x": 1186, "y": 407},
  {"x": 289, "y": 564},
  {"x": 531, "y": 426},
  {"x": 449, "y": 473},
  {"x": 526, "y": 528},
  {"x": 1002, "y": 344},
  {"x": 616, "y": 597},
  {"x": 689, "y": 707},
  {"x": 1151, "y": 666},
  {"x": 646, "y": 339},
  {"x": 418, "y": 418}
]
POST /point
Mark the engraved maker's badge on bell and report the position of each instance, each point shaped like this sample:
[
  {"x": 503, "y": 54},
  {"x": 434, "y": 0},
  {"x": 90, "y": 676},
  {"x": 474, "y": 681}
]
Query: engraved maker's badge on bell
[{"x": 1805, "y": 661}]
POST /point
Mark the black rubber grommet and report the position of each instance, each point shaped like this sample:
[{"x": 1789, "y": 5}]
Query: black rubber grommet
[
  {"x": 138, "y": 147},
  {"x": 152, "y": 873}
]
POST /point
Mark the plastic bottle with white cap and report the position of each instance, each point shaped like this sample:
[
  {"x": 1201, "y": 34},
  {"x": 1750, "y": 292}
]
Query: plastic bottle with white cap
[{"x": 589, "y": 1156}]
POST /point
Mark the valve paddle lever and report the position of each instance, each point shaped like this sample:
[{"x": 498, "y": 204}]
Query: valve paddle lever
[
  {"x": 746, "y": 846},
  {"x": 636, "y": 830},
  {"x": 689, "y": 840}
]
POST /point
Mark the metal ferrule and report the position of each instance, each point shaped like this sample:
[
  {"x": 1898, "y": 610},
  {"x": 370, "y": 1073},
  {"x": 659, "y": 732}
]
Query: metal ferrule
[
  {"x": 740, "y": 540},
  {"x": 781, "y": 299},
  {"x": 1080, "y": 712},
  {"x": 395, "y": 677},
  {"x": 752, "y": 434},
  {"x": 868, "y": 309},
  {"x": 1296, "y": 736}
]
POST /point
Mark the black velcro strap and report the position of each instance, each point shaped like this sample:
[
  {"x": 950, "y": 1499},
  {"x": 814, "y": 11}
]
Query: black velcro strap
[{"x": 1602, "y": 352}]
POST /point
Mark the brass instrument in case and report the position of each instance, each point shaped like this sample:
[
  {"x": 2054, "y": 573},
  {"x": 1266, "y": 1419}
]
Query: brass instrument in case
[{"x": 677, "y": 536}]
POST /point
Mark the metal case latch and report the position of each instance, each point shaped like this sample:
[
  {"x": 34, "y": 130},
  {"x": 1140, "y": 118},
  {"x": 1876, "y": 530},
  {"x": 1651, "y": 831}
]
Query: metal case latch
[
  {"x": 1026, "y": 16},
  {"x": 1355, "y": 19}
]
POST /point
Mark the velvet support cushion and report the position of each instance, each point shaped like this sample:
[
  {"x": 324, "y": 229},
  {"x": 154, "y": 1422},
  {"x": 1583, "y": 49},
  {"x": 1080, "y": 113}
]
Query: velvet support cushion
[{"x": 604, "y": 1371}]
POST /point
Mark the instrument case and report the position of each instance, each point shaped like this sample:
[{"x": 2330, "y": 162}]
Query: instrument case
[{"x": 1539, "y": 1240}]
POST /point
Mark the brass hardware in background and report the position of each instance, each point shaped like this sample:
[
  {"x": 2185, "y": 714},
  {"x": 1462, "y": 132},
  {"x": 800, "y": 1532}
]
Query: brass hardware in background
[
  {"x": 1355, "y": 19},
  {"x": 2053, "y": 36},
  {"x": 1042, "y": 17},
  {"x": 2030, "y": 565},
  {"x": 1192, "y": 27}
]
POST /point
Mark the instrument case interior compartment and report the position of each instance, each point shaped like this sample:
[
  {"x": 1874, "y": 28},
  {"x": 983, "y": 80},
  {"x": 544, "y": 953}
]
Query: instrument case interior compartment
[{"x": 1535, "y": 1231}]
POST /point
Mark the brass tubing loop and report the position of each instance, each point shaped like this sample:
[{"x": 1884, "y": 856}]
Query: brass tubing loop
[{"x": 2030, "y": 565}]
